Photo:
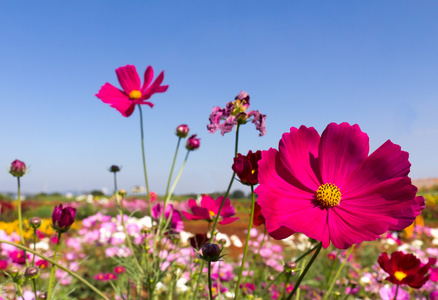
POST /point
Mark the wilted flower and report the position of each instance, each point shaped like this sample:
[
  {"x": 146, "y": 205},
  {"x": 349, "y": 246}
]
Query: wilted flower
[
  {"x": 235, "y": 112},
  {"x": 133, "y": 93},
  {"x": 182, "y": 130},
  {"x": 193, "y": 143},
  {"x": 18, "y": 168},
  {"x": 246, "y": 167},
  {"x": 330, "y": 189},
  {"x": 209, "y": 209},
  {"x": 405, "y": 269},
  {"x": 63, "y": 218}
]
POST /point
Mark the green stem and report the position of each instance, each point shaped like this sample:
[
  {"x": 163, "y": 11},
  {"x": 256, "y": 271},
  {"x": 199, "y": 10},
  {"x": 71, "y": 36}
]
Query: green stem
[
  {"x": 52, "y": 272},
  {"x": 337, "y": 274},
  {"x": 173, "y": 166},
  {"x": 296, "y": 286},
  {"x": 148, "y": 198},
  {"x": 245, "y": 250},
  {"x": 301, "y": 272},
  {"x": 209, "y": 280},
  {"x": 286, "y": 281},
  {"x": 20, "y": 219},
  {"x": 58, "y": 265}
]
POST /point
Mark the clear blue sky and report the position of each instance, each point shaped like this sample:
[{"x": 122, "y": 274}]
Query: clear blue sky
[{"x": 373, "y": 63}]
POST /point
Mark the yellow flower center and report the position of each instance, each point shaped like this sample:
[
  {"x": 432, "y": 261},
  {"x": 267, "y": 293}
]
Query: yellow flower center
[
  {"x": 400, "y": 275},
  {"x": 328, "y": 195},
  {"x": 212, "y": 213},
  {"x": 134, "y": 95},
  {"x": 252, "y": 171}
]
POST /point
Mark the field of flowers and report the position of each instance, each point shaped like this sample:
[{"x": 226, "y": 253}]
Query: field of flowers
[{"x": 325, "y": 220}]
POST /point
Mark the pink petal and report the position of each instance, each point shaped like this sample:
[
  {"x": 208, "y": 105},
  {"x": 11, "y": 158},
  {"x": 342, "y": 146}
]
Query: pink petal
[
  {"x": 342, "y": 148},
  {"x": 388, "y": 161},
  {"x": 284, "y": 205},
  {"x": 128, "y": 78},
  {"x": 148, "y": 76},
  {"x": 228, "y": 221},
  {"x": 352, "y": 227},
  {"x": 298, "y": 154},
  {"x": 192, "y": 217},
  {"x": 393, "y": 198},
  {"x": 155, "y": 87},
  {"x": 208, "y": 203},
  {"x": 119, "y": 100}
]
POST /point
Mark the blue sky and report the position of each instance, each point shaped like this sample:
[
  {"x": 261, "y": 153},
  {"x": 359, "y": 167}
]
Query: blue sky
[{"x": 310, "y": 63}]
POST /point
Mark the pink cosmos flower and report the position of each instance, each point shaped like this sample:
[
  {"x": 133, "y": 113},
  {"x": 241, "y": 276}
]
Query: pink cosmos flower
[
  {"x": 133, "y": 92},
  {"x": 209, "y": 209},
  {"x": 330, "y": 189},
  {"x": 176, "y": 224}
]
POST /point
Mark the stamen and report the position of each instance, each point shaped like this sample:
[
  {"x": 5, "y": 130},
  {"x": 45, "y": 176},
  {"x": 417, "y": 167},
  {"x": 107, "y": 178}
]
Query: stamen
[{"x": 328, "y": 195}]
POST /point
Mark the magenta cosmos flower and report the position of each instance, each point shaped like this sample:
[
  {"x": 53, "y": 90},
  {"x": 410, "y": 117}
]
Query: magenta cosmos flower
[
  {"x": 133, "y": 92},
  {"x": 209, "y": 209},
  {"x": 330, "y": 189}
]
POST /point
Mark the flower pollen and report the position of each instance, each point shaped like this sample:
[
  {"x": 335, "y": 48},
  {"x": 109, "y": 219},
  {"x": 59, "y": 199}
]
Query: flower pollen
[
  {"x": 400, "y": 275},
  {"x": 212, "y": 213},
  {"x": 328, "y": 195},
  {"x": 135, "y": 95}
]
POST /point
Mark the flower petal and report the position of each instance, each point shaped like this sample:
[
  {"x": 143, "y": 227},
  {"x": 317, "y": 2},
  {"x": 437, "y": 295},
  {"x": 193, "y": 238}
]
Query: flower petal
[
  {"x": 387, "y": 162},
  {"x": 342, "y": 148},
  {"x": 298, "y": 154},
  {"x": 148, "y": 76},
  {"x": 128, "y": 78},
  {"x": 116, "y": 98},
  {"x": 393, "y": 198},
  {"x": 348, "y": 227},
  {"x": 282, "y": 202}
]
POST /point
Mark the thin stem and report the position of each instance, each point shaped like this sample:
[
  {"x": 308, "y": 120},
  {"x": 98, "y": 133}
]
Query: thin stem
[
  {"x": 396, "y": 292},
  {"x": 73, "y": 274},
  {"x": 337, "y": 274},
  {"x": 173, "y": 166},
  {"x": 52, "y": 272},
  {"x": 245, "y": 250},
  {"x": 301, "y": 272},
  {"x": 305, "y": 271},
  {"x": 20, "y": 219},
  {"x": 286, "y": 281},
  {"x": 148, "y": 198},
  {"x": 305, "y": 254},
  {"x": 209, "y": 280}
]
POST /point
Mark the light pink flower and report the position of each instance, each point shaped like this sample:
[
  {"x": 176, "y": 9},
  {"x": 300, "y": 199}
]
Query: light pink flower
[
  {"x": 133, "y": 92},
  {"x": 330, "y": 189}
]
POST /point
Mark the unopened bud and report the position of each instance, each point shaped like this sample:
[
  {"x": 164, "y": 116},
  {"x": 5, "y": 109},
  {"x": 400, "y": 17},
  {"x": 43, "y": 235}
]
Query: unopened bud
[
  {"x": 35, "y": 222},
  {"x": 31, "y": 272},
  {"x": 290, "y": 266},
  {"x": 182, "y": 130}
]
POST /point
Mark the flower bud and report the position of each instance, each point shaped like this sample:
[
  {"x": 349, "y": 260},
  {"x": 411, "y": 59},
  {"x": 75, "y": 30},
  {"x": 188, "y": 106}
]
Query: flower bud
[
  {"x": 193, "y": 143},
  {"x": 18, "y": 168},
  {"x": 246, "y": 167},
  {"x": 114, "y": 169},
  {"x": 34, "y": 222},
  {"x": 42, "y": 296},
  {"x": 211, "y": 252},
  {"x": 290, "y": 266},
  {"x": 63, "y": 218},
  {"x": 122, "y": 192},
  {"x": 31, "y": 272},
  {"x": 182, "y": 131}
]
